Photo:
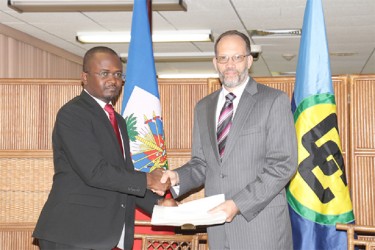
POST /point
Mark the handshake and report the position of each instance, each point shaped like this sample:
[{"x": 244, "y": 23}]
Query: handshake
[{"x": 160, "y": 180}]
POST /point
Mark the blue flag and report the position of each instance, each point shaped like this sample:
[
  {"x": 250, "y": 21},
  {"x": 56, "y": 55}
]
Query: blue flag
[
  {"x": 141, "y": 104},
  {"x": 318, "y": 194}
]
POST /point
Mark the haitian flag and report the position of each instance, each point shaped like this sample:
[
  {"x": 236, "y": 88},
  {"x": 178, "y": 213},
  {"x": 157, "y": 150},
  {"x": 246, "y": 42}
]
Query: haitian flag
[
  {"x": 141, "y": 107},
  {"x": 318, "y": 194}
]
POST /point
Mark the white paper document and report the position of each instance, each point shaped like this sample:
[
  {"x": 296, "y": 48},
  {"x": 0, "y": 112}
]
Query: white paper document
[{"x": 194, "y": 212}]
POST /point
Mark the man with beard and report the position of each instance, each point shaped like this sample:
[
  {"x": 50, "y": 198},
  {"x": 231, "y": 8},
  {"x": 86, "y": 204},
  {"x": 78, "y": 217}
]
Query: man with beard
[{"x": 244, "y": 145}]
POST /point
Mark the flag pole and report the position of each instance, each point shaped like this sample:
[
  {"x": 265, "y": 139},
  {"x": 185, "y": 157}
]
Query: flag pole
[{"x": 149, "y": 10}]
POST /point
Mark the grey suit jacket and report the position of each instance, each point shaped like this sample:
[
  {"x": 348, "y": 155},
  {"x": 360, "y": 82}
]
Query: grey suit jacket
[
  {"x": 94, "y": 189},
  {"x": 259, "y": 160}
]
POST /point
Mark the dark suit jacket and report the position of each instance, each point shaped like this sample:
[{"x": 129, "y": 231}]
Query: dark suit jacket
[{"x": 95, "y": 191}]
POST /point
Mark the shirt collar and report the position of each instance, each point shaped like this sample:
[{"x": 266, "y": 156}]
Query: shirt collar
[{"x": 238, "y": 90}]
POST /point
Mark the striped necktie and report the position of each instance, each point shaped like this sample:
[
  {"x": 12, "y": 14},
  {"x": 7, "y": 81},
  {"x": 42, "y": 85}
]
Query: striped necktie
[{"x": 224, "y": 123}]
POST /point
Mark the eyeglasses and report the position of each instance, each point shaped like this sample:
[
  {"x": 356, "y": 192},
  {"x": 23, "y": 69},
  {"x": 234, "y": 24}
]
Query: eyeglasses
[
  {"x": 106, "y": 74},
  {"x": 235, "y": 58}
]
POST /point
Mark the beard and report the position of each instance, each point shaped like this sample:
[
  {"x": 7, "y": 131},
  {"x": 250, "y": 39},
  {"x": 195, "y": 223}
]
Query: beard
[
  {"x": 111, "y": 93},
  {"x": 233, "y": 80}
]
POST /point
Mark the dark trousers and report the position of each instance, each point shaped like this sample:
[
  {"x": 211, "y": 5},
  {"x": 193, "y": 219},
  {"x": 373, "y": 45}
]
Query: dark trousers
[{"x": 49, "y": 245}]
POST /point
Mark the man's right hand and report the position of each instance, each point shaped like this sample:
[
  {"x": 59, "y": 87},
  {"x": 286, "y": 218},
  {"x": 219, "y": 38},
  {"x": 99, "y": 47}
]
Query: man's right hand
[
  {"x": 154, "y": 183},
  {"x": 172, "y": 176}
]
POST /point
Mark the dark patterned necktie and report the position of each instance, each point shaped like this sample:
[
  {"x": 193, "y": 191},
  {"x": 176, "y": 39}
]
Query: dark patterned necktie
[
  {"x": 224, "y": 123},
  {"x": 113, "y": 120}
]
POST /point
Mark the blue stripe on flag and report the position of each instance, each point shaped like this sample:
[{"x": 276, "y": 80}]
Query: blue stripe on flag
[
  {"x": 140, "y": 68},
  {"x": 328, "y": 237},
  {"x": 313, "y": 58}
]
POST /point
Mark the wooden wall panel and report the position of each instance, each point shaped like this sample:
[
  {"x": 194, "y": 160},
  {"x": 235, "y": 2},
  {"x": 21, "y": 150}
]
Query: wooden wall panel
[
  {"x": 19, "y": 114},
  {"x": 340, "y": 85},
  {"x": 28, "y": 109},
  {"x": 17, "y": 236},
  {"x": 178, "y": 98},
  {"x": 362, "y": 112},
  {"x": 285, "y": 84},
  {"x": 362, "y": 137},
  {"x": 363, "y": 190},
  {"x": 25, "y": 182}
]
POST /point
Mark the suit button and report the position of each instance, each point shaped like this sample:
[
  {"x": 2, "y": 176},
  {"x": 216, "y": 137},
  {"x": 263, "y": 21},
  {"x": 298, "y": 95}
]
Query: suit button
[
  {"x": 122, "y": 205},
  {"x": 222, "y": 176},
  {"x": 133, "y": 189}
]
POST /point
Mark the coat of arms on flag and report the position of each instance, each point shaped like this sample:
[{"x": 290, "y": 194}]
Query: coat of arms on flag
[{"x": 145, "y": 131}]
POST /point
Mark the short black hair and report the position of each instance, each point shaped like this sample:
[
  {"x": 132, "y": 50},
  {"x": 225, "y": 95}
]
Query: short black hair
[
  {"x": 235, "y": 33},
  {"x": 91, "y": 52}
]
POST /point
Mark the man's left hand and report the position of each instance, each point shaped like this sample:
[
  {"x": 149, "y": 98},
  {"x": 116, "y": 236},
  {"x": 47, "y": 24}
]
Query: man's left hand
[{"x": 229, "y": 207}]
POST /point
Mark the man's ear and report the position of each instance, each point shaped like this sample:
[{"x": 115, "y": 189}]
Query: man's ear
[
  {"x": 250, "y": 61},
  {"x": 84, "y": 78}
]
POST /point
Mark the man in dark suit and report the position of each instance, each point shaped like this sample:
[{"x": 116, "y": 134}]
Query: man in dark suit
[
  {"x": 246, "y": 150},
  {"x": 95, "y": 188}
]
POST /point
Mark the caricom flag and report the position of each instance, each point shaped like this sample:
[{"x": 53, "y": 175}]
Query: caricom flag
[
  {"x": 141, "y": 104},
  {"x": 318, "y": 194}
]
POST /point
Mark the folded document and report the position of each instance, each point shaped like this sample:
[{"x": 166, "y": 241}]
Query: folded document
[{"x": 194, "y": 212}]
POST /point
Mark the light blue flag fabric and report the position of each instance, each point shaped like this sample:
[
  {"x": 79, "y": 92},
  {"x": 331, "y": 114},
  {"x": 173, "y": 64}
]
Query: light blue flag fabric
[
  {"x": 141, "y": 104},
  {"x": 313, "y": 58},
  {"x": 318, "y": 195}
]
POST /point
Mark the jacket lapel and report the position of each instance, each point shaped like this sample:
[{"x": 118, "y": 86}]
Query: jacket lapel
[
  {"x": 245, "y": 106},
  {"x": 102, "y": 117},
  {"x": 211, "y": 122}
]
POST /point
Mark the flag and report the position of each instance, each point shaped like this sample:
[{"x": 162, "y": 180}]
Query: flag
[
  {"x": 141, "y": 107},
  {"x": 318, "y": 194}
]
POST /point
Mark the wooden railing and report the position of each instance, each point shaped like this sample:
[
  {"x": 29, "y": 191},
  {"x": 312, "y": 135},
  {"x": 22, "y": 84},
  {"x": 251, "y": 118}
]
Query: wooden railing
[{"x": 359, "y": 235}]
